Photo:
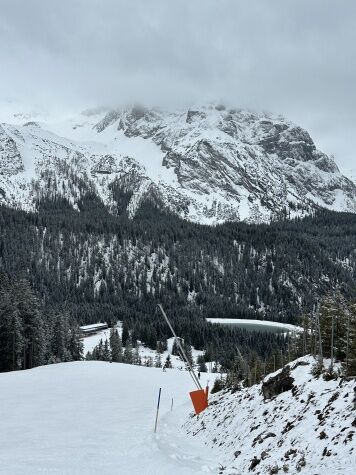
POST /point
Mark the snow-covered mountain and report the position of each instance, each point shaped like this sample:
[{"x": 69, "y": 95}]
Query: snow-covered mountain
[
  {"x": 350, "y": 173},
  {"x": 293, "y": 423},
  {"x": 208, "y": 164}
]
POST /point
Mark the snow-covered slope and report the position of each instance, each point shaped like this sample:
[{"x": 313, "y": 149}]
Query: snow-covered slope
[
  {"x": 96, "y": 417},
  {"x": 208, "y": 164},
  {"x": 90, "y": 418},
  {"x": 309, "y": 428}
]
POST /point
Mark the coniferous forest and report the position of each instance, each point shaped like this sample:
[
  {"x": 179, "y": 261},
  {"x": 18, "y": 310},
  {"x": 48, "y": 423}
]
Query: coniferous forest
[{"x": 62, "y": 267}]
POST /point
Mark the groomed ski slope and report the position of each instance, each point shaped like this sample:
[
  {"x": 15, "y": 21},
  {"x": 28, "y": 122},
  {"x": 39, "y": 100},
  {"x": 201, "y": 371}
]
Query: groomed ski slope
[{"x": 98, "y": 418}]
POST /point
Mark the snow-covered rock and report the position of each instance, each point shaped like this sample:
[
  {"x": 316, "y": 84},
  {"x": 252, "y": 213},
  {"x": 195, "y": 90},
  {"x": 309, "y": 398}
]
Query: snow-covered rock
[
  {"x": 292, "y": 422},
  {"x": 208, "y": 164}
]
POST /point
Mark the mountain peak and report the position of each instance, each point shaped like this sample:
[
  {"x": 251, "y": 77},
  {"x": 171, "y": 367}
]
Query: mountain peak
[{"x": 207, "y": 163}]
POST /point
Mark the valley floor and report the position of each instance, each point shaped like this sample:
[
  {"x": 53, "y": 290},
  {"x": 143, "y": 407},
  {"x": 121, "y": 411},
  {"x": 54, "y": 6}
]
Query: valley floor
[{"x": 87, "y": 418}]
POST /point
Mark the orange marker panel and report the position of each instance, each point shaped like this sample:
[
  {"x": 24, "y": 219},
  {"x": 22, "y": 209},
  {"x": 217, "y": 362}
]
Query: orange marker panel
[{"x": 199, "y": 400}]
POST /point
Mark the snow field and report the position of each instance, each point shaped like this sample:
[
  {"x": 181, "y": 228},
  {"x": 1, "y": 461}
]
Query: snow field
[
  {"x": 92, "y": 341},
  {"x": 87, "y": 418}
]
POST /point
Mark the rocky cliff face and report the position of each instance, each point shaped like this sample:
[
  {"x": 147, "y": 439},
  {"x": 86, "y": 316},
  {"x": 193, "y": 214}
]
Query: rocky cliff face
[{"x": 207, "y": 164}]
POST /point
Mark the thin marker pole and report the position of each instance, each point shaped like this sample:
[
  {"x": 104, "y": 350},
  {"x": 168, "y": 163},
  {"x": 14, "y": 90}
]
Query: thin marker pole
[
  {"x": 159, "y": 400},
  {"x": 172, "y": 405}
]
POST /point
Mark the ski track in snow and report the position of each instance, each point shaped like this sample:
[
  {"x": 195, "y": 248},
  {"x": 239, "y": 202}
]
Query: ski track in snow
[{"x": 97, "y": 418}]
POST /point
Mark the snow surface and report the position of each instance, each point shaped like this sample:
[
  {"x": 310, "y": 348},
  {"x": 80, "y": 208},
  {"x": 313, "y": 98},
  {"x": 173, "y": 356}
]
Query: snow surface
[
  {"x": 249, "y": 321},
  {"x": 309, "y": 429},
  {"x": 90, "y": 342},
  {"x": 87, "y": 418},
  {"x": 93, "y": 326},
  {"x": 90, "y": 418}
]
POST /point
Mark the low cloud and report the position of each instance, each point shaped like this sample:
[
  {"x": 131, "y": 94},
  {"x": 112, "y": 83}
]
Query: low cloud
[{"x": 292, "y": 57}]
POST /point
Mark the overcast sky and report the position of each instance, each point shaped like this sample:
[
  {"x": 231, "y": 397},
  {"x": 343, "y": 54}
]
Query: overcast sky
[{"x": 295, "y": 57}]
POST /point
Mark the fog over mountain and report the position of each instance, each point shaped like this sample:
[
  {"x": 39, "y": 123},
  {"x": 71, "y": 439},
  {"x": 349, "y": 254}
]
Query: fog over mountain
[{"x": 294, "y": 58}]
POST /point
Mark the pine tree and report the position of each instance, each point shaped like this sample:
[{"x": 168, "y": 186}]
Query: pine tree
[
  {"x": 75, "y": 344},
  {"x": 97, "y": 353},
  {"x": 59, "y": 340},
  {"x": 160, "y": 347},
  {"x": 202, "y": 368},
  {"x": 175, "y": 349},
  {"x": 333, "y": 327},
  {"x": 350, "y": 357},
  {"x": 125, "y": 333},
  {"x": 116, "y": 346},
  {"x": 106, "y": 356},
  {"x": 188, "y": 352},
  {"x": 137, "y": 357},
  {"x": 128, "y": 353},
  {"x": 11, "y": 339},
  {"x": 28, "y": 309},
  {"x": 149, "y": 362},
  {"x": 168, "y": 363},
  {"x": 158, "y": 360}
]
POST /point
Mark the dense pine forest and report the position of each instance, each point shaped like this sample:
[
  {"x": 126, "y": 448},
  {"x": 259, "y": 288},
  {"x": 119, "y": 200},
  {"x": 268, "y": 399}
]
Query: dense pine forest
[
  {"x": 31, "y": 335},
  {"x": 92, "y": 265}
]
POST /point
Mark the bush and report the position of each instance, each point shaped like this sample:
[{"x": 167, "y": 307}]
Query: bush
[{"x": 219, "y": 384}]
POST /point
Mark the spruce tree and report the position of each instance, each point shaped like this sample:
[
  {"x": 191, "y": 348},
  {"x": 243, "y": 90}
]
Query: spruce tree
[
  {"x": 350, "y": 357},
  {"x": 106, "y": 356},
  {"x": 60, "y": 339},
  {"x": 75, "y": 344},
  {"x": 125, "y": 333},
  {"x": 158, "y": 360},
  {"x": 11, "y": 335},
  {"x": 168, "y": 363},
  {"x": 116, "y": 346},
  {"x": 202, "y": 368},
  {"x": 128, "y": 352},
  {"x": 28, "y": 308}
]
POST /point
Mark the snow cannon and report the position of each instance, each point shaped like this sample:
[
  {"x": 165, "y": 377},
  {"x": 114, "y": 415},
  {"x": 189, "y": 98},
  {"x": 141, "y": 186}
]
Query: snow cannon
[{"x": 200, "y": 396}]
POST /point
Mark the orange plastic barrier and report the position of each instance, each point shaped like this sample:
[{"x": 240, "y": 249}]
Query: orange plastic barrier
[{"x": 199, "y": 399}]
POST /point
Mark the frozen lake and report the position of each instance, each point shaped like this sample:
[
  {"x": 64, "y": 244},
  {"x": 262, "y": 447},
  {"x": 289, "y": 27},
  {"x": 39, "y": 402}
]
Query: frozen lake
[{"x": 257, "y": 325}]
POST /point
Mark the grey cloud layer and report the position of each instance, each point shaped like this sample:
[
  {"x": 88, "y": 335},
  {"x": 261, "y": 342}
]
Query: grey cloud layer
[{"x": 296, "y": 57}]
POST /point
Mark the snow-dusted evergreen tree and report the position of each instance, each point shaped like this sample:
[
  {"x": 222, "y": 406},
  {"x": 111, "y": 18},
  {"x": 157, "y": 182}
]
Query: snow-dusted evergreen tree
[
  {"x": 168, "y": 363},
  {"x": 11, "y": 332},
  {"x": 28, "y": 336},
  {"x": 175, "y": 349},
  {"x": 106, "y": 355},
  {"x": 136, "y": 358},
  {"x": 160, "y": 347},
  {"x": 60, "y": 339},
  {"x": 128, "y": 352},
  {"x": 333, "y": 326},
  {"x": 125, "y": 334},
  {"x": 28, "y": 308},
  {"x": 75, "y": 344},
  {"x": 202, "y": 368},
  {"x": 116, "y": 346},
  {"x": 350, "y": 358},
  {"x": 158, "y": 360},
  {"x": 149, "y": 362},
  {"x": 97, "y": 353},
  {"x": 188, "y": 351}
]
